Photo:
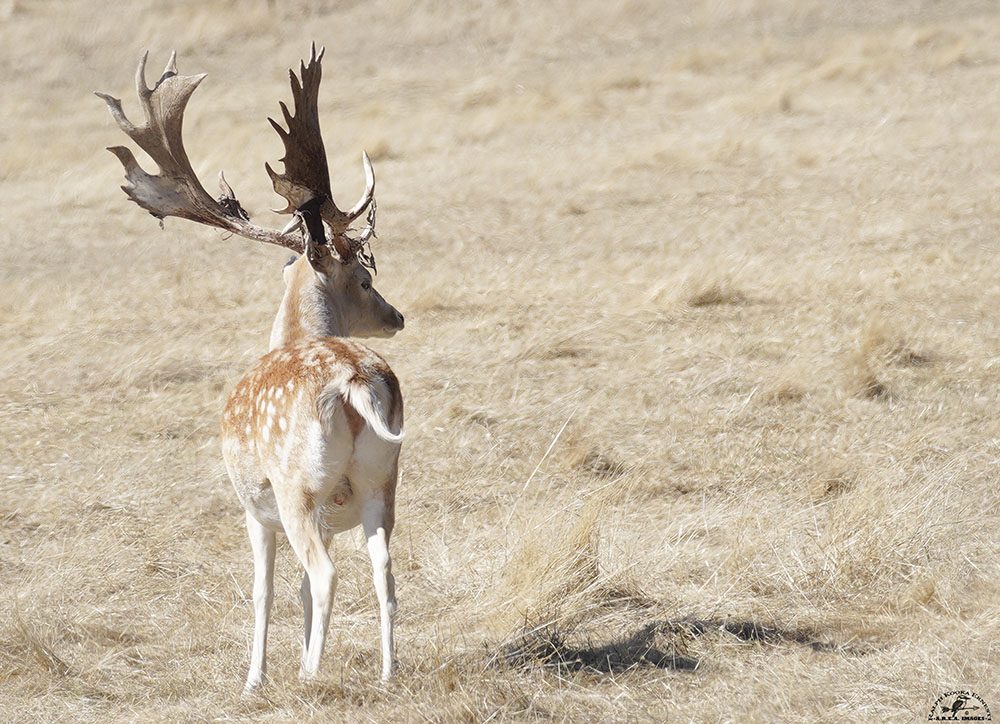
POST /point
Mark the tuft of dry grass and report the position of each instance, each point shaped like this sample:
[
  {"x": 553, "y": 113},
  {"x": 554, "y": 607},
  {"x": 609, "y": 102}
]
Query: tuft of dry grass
[
  {"x": 882, "y": 354},
  {"x": 714, "y": 293},
  {"x": 552, "y": 570}
]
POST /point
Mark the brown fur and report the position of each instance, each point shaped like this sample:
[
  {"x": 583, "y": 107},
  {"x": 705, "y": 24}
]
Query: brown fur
[
  {"x": 390, "y": 505},
  {"x": 308, "y": 365},
  {"x": 355, "y": 422}
]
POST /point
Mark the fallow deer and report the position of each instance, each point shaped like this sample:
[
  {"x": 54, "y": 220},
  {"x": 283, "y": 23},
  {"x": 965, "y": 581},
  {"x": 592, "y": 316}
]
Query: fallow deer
[{"x": 311, "y": 434}]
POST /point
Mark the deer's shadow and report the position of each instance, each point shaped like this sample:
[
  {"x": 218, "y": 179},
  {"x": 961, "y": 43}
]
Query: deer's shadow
[{"x": 659, "y": 644}]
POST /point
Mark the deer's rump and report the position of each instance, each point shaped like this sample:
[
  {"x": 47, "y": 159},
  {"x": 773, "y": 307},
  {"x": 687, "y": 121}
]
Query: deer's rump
[{"x": 322, "y": 414}]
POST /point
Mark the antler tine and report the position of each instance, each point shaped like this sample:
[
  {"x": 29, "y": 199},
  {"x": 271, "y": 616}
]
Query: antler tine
[
  {"x": 140, "y": 80},
  {"x": 176, "y": 190},
  {"x": 307, "y": 175},
  {"x": 368, "y": 233},
  {"x": 369, "y": 194},
  {"x": 224, "y": 186},
  {"x": 363, "y": 255},
  {"x": 170, "y": 69}
]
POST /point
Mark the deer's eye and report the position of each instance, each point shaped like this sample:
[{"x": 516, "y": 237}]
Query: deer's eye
[{"x": 366, "y": 285}]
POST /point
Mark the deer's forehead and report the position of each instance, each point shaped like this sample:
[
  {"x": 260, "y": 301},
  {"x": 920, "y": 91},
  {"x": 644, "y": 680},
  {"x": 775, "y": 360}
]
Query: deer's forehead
[{"x": 359, "y": 272}]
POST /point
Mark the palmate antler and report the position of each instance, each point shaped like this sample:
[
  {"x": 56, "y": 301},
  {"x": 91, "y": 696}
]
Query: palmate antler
[{"x": 176, "y": 190}]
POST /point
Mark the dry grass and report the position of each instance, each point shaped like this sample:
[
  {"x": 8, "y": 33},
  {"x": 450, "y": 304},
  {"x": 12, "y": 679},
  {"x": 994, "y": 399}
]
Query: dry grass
[{"x": 702, "y": 361}]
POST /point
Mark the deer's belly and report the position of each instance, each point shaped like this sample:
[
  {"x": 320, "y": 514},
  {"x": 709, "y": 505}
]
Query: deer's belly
[
  {"x": 261, "y": 504},
  {"x": 339, "y": 512}
]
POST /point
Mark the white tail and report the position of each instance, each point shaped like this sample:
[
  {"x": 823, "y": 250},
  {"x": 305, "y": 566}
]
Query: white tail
[{"x": 361, "y": 395}]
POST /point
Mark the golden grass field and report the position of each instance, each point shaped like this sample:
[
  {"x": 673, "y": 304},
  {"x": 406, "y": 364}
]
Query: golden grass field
[{"x": 701, "y": 365}]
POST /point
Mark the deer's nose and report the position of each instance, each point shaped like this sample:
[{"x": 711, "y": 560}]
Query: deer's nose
[{"x": 399, "y": 320}]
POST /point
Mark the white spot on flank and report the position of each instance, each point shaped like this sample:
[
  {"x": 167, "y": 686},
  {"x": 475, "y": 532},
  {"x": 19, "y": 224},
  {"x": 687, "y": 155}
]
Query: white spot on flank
[
  {"x": 279, "y": 392},
  {"x": 282, "y": 424},
  {"x": 266, "y": 433},
  {"x": 248, "y": 430},
  {"x": 270, "y": 408}
]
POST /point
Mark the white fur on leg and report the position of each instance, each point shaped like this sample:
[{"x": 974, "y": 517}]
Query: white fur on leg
[
  {"x": 306, "y": 538},
  {"x": 323, "y": 582},
  {"x": 306, "y": 595},
  {"x": 262, "y": 542},
  {"x": 373, "y": 520}
]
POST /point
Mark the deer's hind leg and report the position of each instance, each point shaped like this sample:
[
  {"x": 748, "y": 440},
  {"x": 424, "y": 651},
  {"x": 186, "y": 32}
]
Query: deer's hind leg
[
  {"x": 262, "y": 540},
  {"x": 378, "y": 516},
  {"x": 262, "y": 523},
  {"x": 305, "y": 594},
  {"x": 303, "y": 528}
]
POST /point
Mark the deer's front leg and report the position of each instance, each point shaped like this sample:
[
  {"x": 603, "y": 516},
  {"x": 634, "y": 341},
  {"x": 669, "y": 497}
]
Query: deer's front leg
[{"x": 262, "y": 541}]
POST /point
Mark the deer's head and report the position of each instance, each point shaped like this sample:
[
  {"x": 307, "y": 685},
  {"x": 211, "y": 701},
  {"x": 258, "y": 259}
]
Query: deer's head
[{"x": 328, "y": 289}]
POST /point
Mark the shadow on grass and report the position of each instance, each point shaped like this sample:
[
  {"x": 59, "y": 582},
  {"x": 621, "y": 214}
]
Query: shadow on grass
[{"x": 658, "y": 644}]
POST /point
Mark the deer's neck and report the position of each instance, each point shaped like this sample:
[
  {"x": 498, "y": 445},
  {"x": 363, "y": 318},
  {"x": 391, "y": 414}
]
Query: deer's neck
[{"x": 307, "y": 311}]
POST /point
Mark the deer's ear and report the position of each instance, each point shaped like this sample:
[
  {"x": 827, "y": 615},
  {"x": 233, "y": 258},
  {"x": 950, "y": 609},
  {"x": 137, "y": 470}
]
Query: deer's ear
[{"x": 288, "y": 269}]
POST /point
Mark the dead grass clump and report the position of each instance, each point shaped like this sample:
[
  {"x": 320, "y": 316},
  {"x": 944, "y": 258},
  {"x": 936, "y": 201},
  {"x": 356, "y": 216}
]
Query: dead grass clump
[
  {"x": 383, "y": 150},
  {"x": 714, "y": 293},
  {"x": 836, "y": 480},
  {"x": 601, "y": 464},
  {"x": 475, "y": 414},
  {"x": 788, "y": 385},
  {"x": 700, "y": 60},
  {"x": 624, "y": 82},
  {"x": 922, "y": 593},
  {"x": 866, "y": 382},
  {"x": 554, "y": 577},
  {"x": 864, "y": 549},
  {"x": 563, "y": 350},
  {"x": 864, "y": 559},
  {"x": 786, "y": 101},
  {"x": 588, "y": 455},
  {"x": 37, "y": 644},
  {"x": 786, "y": 391},
  {"x": 880, "y": 344},
  {"x": 484, "y": 93},
  {"x": 880, "y": 356},
  {"x": 882, "y": 533},
  {"x": 549, "y": 575}
]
